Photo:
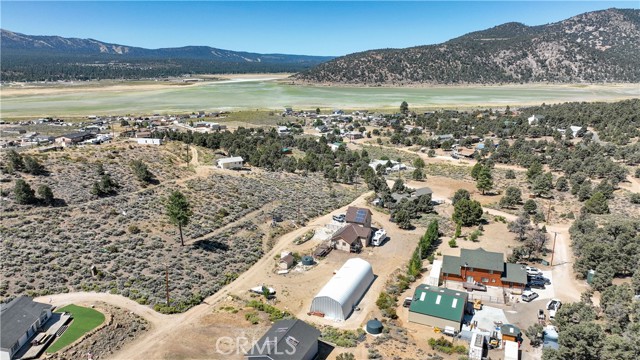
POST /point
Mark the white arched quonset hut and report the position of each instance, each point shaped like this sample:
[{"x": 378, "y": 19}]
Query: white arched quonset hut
[{"x": 339, "y": 296}]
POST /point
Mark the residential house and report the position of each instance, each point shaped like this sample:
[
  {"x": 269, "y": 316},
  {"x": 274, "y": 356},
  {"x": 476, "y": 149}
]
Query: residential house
[
  {"x": 356, "y": 234},
  {"x": 149, "y": 141},
  {"x": 443, "y": 137},
  {"x": 486, "y": 267},
  {"x": 354, "y": 135},
  {"x": 535, "y": 119},
  {"x": 438, "y": 307},
  {"x": 290, "y": 339},
  {"x": 335, "y": 146},
  {"x": 73, "y": 138},
  {"x": 283, "y": 130},
  {"x": 235, "y": 162},
  {"x": 20, "y": 320},
  {"x": 322, "y": 128}
]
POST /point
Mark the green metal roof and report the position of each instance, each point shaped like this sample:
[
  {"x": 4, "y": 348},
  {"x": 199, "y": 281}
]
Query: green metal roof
[
  {"x": 439, "y": 302},
  {"x": 482, "y": 259},
  {"x": 514, "y": 273},
  {"x": 451, "y": 264}
]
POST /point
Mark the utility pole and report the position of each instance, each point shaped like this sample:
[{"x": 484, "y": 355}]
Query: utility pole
[
  {"x": 549, "y": 213},
  {"x": 166, "y": 272},
  {"x": 553, "y": 251},
  {"x": 188, "y": 150}
]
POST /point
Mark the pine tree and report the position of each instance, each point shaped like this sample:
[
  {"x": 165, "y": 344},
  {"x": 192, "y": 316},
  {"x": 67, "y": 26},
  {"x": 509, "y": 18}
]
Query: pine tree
[
  {"x": 23, "y": 193},
  {"x": 179, "y": 211},
  {"x": 46, "y": 194},
  {"x": 485, "y": 180}
]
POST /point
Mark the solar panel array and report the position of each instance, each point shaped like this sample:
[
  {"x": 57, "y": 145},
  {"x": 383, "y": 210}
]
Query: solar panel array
[{"x": 361, "y": 214}]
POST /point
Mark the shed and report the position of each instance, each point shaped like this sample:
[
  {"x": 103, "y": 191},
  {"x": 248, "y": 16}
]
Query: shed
[
  {"x": 511, "y": 351},
  {"x": 434, "y": 275},
  {"x": 286, "y": 260},
  {"x": 374, "y": 327},
  {"x": 337, "y": 299},
  {"x": 510, "y": 332}
]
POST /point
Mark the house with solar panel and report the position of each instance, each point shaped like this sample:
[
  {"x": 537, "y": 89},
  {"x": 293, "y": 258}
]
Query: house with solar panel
[{"x": 356, "y": 234}]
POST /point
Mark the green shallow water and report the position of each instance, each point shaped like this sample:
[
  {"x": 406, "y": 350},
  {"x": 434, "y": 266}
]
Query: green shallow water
[{"x": 261, "y": 94}]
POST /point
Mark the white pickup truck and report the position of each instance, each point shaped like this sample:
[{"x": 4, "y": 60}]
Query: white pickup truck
[{"x": 379, "y": 237}]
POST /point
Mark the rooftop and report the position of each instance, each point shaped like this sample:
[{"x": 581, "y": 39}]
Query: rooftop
[
  {"x": 358, "y": 215},
  {"x": 284, "y": 335},
  {"x": 439, "y": 302},
  {"x": 230, "y": 160},
  {"x": 16, "y": 317},
  {"x": 514, "y": 273},
  {"x": 482, "y": 259},
  {"x": 351, "y": 232}
]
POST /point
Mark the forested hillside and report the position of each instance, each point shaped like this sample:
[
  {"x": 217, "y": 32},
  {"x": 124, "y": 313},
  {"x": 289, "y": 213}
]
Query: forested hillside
[
  {"x": 601, "y": 46},
  {"x": 40, "y": 58}
]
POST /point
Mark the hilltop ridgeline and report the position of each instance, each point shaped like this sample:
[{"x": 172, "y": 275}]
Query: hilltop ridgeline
[{"x": 600, "y": 46}]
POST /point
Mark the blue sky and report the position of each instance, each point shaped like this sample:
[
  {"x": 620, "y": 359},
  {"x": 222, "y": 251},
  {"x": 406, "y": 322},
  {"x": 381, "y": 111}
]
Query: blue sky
[{"x": 306, "y": 27}]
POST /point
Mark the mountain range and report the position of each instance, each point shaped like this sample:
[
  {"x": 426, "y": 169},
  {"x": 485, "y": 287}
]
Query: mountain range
[
  {"x": 28, "y": 57},
  {"x": 600, "y": 46}
]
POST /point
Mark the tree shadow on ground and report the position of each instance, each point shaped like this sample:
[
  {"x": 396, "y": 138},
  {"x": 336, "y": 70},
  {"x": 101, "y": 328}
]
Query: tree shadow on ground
[{"x": 210, "y": 245}]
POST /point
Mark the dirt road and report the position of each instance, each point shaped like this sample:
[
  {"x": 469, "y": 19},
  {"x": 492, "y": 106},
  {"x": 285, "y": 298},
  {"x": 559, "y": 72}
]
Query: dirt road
[
  {"x": 161, "y": 340},
  {"x": 88, "y": 298}
]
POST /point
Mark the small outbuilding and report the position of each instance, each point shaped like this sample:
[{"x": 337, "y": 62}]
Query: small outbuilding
[
  {"x": 510, "y": 333},
  {"x": 339, "y": 297},
  {"x": 286, "y": 260},
  {"x": 235, "y": 162},
  {"x": 434, "y": 275}
]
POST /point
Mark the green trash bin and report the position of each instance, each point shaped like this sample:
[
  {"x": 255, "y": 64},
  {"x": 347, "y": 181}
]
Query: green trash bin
[{"x": 544, "y": 262}]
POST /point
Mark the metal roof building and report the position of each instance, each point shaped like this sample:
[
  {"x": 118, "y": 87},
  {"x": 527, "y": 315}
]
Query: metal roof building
[
  {"x": 438, "y": 307},
  {"x": 337, "y": 299},
  {"x": 290, "y": 339}
]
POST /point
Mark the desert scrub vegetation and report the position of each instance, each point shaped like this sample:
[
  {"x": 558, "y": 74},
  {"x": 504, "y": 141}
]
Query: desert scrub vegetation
[
  {"x": 274, "y": 313},
  {"x": 130, "y": 241},
  {"x": 342, "y": 338},
  {"x": 72, "y": 174}
]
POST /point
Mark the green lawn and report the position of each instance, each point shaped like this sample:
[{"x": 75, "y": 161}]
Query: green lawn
[{"x": 84, "y": 320}]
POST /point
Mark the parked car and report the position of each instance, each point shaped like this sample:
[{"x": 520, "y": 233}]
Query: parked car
[
  {"x": 532, "y": 271},
  {"x": 540, "y": 278},
  {"x": 407, "y": 302},
  {"x": 529, "y": 295},
  {"x": 536, "y": 284},
  {"x": 339, "y": 217},
  {"x": 553, "y": 305},
  {"x": 474, "y": 286}
]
